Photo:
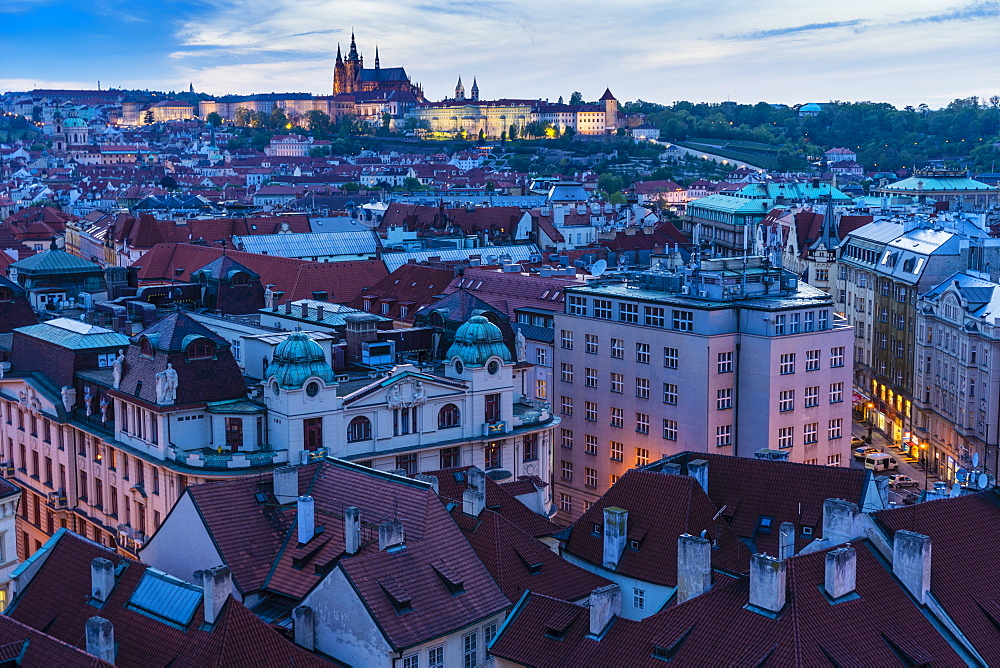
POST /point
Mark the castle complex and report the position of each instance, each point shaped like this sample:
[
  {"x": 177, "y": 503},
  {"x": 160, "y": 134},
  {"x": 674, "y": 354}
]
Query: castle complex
[{"x": 350, "y": 75}]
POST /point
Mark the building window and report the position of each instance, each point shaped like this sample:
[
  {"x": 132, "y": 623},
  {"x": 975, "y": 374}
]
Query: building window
[
  {"x": 617, "y": 383},
  {"x": 541, "y": 356},
  {"x": 809, "y": 432},
  {"x": 785, "y": 436},
  {"x": 810, "y": 324},
  {"x": 670, "y": 358},
  {"x": 833, "y": 460},
  {"x": 591, "y": 411},
  {"x": 639, "y": 599},
  {"x": 591, "y": 444},
  {"x": 670, "y": 430},
  {"x": 590, "y": 342},
  {"x": 683, "y": 321},
  {"x": 787, "y": 364},
  {"x": 724, "y": 399},
  {"x": 836, "y": 393},
  {"x": 493, "y": 454},
  {"x": 449, "y": 416},
  {"x": 837, "y": 356},
  {"x": 591, "y": 477},
  {"x": 541, "y": 389},
  {"x": 412, "y": 661},
  {"x": 567, "y": 438},
  {"x": 359, "y": 429},
  {"x": 566, "y": 338},
  {"x": 824, "y": 320},
  {"x": 642, "y": 388},
  {"x": 812, "y": 397},
  {"x": 566, "y": 503},
  {"x": 793, "y": 326},
  {"x": 590, "y": 379},
  {"x": 200, "y": 349},
  {"x": 470, "y": 650},
  {"x": 786, "y": 400},
  {"x": 489, "y": 633},
  {"x": 617, "y": 417},
  {"x": 617, "y": 451},
  {"x": 492, "y": 409},
  {"x": 602, "y": 309},
  {"x": 642, "y": 353},
  {"x": 628, "y": 312},
  {"x": 642, "y": 423},
  {"x": 779, "y": 325},
  {"x": 724, "y": 435},
  {"x": 655, "y": 316},
  {"x": 435, "y": 657},
  {"x": 566, "y": 371},
  {"x": 577, "y": 305},
  {"x": 835, "y": 428},
  {"x": 567, "y": 470},
  {"x": 812, "y": 360},
  {"x": 617, "y": 349},
  {"x": 725, "y": 362},
  {"x": 451, "y": 457},
  {"x": 641, "y": 456}
]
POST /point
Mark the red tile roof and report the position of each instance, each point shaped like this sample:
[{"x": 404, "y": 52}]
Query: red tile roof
[
  {"x": 660, "y": 508},
  {"x": 411, "y": 285},
  {"x": 510, "y": 291},
  {"x": 29, "y": 647},
  {"x": 962, "y": 555},
  {"x": 717, "y": 629},
  {"x": 57, "y": 599}
]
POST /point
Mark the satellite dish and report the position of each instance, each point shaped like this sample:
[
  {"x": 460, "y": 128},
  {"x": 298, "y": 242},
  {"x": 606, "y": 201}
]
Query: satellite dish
[
  {"x": 962, "y": 476},
  {"x": 984, "y": 481},
  {"x": 598, "y": 268},
  {"x": 956, "y": 490},
  {"x": 975, "y": 459}
]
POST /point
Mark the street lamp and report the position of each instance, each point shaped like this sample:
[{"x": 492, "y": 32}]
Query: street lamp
[
  {"x": 871, "y": 421},
  {"x": 923, "y": 456}
]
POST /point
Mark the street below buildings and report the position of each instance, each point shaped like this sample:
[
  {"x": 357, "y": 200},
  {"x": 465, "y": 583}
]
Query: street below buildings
[{"x": 906, "y": 465}]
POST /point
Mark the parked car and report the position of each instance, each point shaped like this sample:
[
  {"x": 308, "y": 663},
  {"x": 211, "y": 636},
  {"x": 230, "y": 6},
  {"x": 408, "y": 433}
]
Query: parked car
[
  {"x": 856, "y": 441},
  {"x": 909, "y": 498},
  {"x": 864, "y": 451},
  {"x": 900, "y": 480},
  {"x": 878, "y": 461}
]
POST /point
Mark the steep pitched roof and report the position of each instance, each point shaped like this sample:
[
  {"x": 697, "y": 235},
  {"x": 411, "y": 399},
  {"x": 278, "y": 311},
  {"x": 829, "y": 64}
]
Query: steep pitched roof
[
  {"x": 26, "y": 646},
  {"x": 411, "y": 285},
  {"x": 57, "y": 599}
]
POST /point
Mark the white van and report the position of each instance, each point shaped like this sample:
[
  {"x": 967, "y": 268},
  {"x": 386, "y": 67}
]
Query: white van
[{"x": 879, "y": 461}]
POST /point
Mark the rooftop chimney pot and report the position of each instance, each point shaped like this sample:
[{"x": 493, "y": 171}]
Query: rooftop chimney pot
[
  {"x": 911, "y": 562},
  {"x": 390, "y": 534},
  {"x": 286, "y": 484},
  {"x": 352, "y": 529},
  {"x": 698, "y": 469},
  {"x": 474, "y": 496},
  {"x": 694, "y": 566},
  {"x": 841, "y": 572},
  {"x": 102, "y": 579},
  {"x": 615, "y": 532},
  {"x": 786, "y": 540},
  {"x": 605, "y": 603},
  {"x": 431, "y": 479},
  {"x": 100, "y": 634},
  {"x": 306, "y": 516},
  {"x": 304, "y": 626},
  {"x": 839, "y": 518},
  {"x": 767, "y": 582},
  {"x": 216, "y": 585}
]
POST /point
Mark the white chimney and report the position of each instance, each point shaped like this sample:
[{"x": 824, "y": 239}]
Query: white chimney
[
  {"x": 304, "y": 627},
  {"x": 430, "y": 479},
  {"x": 841, "y": 572},
  {"x": 767, "y": 582},
  {"x": 911, "y": 562},
  {"x": 100, "y": 634},
  {"x": 605, "y": 604},
  {"x": 352, "y": 529},
  {"x": 102, "y": 579},
  {"x": 698, "y": 469},
  {"x": 615, "y": 534},
  {"x": 694, "y": 566},
  {"x": 474, "y": 496},
  {"x": 786, "y": 540},
  {"x": 306, "y": 519},
  {"x": 839, "y": 517},
  {"x": 216, "y": 585},
  {"x": 286, "y": 484},
  {"x": 390, "y": 534}
]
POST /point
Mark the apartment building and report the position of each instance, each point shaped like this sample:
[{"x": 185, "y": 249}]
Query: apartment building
[
  {"x": 957, "y": 398},
  {"x": 726, "y": 356}
]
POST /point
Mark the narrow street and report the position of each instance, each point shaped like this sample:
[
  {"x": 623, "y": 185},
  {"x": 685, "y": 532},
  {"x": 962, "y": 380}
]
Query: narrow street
[{"x": 906, "y": 466}]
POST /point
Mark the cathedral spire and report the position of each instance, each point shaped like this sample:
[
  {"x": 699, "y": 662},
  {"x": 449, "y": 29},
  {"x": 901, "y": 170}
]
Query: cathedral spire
[
  {"x": 376, "y": 56},
  {"x": 829, "y": 236},
  {"x": 353, "y": 53},
  {"x": 475, "y": 90},
  {"x": 340, "y": 59},
  {"x": 459, "y": 89}
]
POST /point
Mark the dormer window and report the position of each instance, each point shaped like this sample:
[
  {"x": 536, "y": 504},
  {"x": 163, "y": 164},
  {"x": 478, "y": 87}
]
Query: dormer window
[
  {"x": 201, "y": 349},
  {"x": 240, "y": 280},
  {"x": 6, "y": 295},
  {"x": 145, "y": 348}
]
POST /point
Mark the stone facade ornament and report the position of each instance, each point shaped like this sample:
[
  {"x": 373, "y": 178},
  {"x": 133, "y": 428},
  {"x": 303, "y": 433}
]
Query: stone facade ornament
[
  {"x": 119, "y": 368},
  {"x": 88, "y": 400},
  {"x": 104, "y": 408},
  {"x": 68, "y": 398},
  {"x": 522, "y": 347},
  {"x": 166, "y": 386},
  {"x": 406, "y": 394}
]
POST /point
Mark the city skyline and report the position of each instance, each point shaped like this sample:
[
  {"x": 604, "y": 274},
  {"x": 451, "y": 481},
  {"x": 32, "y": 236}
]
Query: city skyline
[{"x": 854, "y": 51}]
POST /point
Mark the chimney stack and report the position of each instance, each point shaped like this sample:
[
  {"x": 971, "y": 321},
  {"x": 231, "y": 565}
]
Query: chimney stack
[
  {"x": 838, "y": 521},
  {"x": 102, "y": 579},
  {"x": 216, "y": 585},
  {"x": 474, "y": 496},
  {"x": 288, "y": 308},
  {"x": 304, "y": 627},
  {"x": 841, "y": 572},
  {"x": 615, "y": 533},
  {"x": 698, "y": 469},
  {"x": 286, "y": 484},
  {"x": 882, "y": 485},
  {"x": 694, "y": 566},
  {"x": 434, "y": 483},
  {"x": 100, "y": 634},
  {"x": 786, "y": 540},
  {"x": 767, "y": 582},
  {"x": 605, "y": 603},
  {"x": 911, "y": 562},
  {"x": 306, "y": 519},
  {"x": 305, "y": 309},
  {"x": 671, "y": 469},
  {"x": 390, "y": 534},
  {"x": 352, "y": 529},
  {"x": 319, "y": 314}
]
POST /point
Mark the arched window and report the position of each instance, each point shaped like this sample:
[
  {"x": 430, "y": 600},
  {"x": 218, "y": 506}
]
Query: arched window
[
  {"x": 449, "y": 417},
  {"x": 145, "y": 347},
  {"x": 359, "y": 429},
  {"x": 200, "y": 349},
  {"x": 240, "y": 279}
]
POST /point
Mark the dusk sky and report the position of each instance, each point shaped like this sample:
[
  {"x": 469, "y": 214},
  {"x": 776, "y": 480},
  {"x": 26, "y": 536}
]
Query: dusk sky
[{"x": 904, "y": 52}]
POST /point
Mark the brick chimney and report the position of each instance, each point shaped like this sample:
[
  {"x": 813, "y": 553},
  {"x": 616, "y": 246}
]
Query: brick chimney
[
  {"x": 839, "y": 518},
  {"x": 615, "y": 534},
  {"x": 698, "y": 469},
  {"x": 390, "y": 535},
  {"x": 304, "y": 627},
  {"x": 474, "y": 496},
  {"x": 841, "y": 572},
  {"x": 305, "y": 309},
  {"x": 306, "y": 519},
  {"x": 430, "y": 479},
  {"x": 102, "y": 579},
  {"x": 216, "y": 585},
  {"x": 694, "y": 566},
  {"x": 352, "y": 529},
  {"x": 100, "y": 634},
  {"x": 767, "y": 582},
  {"x": 286, "y": 484},
  {"x": 605, "y": 604},
  {"x": 360, "y": 329},
  {"x": 911, "y": 562}
]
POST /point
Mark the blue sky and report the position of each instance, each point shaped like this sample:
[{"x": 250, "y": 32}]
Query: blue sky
[{"x": 898, "y": 51}]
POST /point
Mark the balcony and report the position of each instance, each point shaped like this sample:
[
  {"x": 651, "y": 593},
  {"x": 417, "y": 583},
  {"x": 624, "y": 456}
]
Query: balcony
[
  {"x": 212, "y": 458},
  {"x": 531, "y": 412}
]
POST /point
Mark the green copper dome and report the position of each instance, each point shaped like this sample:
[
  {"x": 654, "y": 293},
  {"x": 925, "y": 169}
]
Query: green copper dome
[
  {"x": 74, "y": 122},
  {"x": 476, "y": 341},
  {"x": 296, "y": 359}
]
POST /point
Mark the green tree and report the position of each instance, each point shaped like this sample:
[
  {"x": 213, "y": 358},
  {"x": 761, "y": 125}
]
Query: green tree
[
  {"x": 36, "y": 114},
  {"x": 610, "y": 183},
  {"x": 482, "y": 135},
  {"x": 319, "y": 151},
  {"x": 512, "y": 132},
  {"x": 351, "y": 187},
  {"x": 214, "y": 119},
  {"x": 168, "y": 182},
  {"x": 411, "y": 184},
  {"x": 242, "y": 117},
  {"x": 576, "y": 97},
  {"x": 148, "y": 117},
  {"x": 277, "y": 120}
]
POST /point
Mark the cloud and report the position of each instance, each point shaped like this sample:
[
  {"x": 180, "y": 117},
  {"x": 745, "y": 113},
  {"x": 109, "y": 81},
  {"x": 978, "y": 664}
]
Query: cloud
[{"x": 809, "y": 27}]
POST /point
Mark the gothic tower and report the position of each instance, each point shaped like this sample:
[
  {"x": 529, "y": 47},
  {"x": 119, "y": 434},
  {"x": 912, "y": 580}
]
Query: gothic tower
[
  {"x": 354, "y": 64},
  {"x": 459, "y": 90},
  {"x": 475, "y": 90},
  {"x": 339, "y": 74}
]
